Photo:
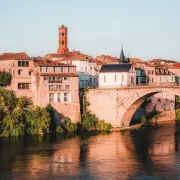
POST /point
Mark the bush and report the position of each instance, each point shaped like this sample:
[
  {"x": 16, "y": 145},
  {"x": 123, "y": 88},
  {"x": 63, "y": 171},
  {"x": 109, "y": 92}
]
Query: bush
[
  {"x": 38, "y": 120},
  {"x": 5, "y": 78},
  {"x": 13, "y": 124},
  {"x": 178, "y": 114},
  {"x": 89, "y": 121},
  {"x": 69, "y": 126},
  {"x": 102, "y": 126},
  {"x": 59, "y": 129}
]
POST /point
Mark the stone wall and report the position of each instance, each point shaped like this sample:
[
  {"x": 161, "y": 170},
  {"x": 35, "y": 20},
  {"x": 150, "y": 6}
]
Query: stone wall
[{"x": 118, "y": 105}]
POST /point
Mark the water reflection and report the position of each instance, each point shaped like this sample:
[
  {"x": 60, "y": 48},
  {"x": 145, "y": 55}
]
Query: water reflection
[{"x": 144, "y": 154}]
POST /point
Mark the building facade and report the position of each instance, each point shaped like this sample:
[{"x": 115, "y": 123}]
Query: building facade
[{"x": 43, "y": 82}]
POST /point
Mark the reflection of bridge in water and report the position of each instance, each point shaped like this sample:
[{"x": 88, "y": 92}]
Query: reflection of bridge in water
[{"x": 118, "y": 105}]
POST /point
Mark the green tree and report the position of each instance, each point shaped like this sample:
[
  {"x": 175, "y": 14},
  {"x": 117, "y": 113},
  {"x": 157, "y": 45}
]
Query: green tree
[
  {"x": 13, "y": 123},
  {"x": 38, "y": 120},
  {"x": 5, "y": 78}
]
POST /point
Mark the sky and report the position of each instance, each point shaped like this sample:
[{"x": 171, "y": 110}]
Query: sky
[{"x": 146, "y": 28}]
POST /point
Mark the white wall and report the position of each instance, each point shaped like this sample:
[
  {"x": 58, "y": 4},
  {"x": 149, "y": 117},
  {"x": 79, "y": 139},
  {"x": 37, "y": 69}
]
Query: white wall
[{"x": 109, "y": 80}]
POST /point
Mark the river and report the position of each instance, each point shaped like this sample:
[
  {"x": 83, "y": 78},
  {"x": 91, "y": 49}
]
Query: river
[{"x": 144, "y": 154}]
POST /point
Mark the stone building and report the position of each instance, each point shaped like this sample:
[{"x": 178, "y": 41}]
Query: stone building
[
  {"x": 63, "y": 40},
  {"x": 43, "y": 82}
]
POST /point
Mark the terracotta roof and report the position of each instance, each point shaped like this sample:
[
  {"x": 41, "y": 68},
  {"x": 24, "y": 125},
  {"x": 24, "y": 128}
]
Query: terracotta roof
[
  {"x": 51, "y": 63},
  {"x": 96, "y": 61},
  {"x": 14, "y": 56},
  {"x": 177, "y": 65},
  {"x": 135, "y": 60},
  {"x": 162, "y": 60},
  {"x": 59, "y": 74}
]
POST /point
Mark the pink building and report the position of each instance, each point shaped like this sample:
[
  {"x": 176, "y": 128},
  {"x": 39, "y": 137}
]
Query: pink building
[{"x": 44, "y": 82}]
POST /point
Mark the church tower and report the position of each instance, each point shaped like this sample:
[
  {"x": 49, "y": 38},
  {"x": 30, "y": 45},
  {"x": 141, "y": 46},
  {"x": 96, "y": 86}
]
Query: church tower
[{"x": 63, "y": 40}]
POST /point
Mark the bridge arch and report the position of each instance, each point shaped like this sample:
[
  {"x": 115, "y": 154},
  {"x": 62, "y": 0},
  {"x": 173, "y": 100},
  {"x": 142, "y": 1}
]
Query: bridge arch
[
  {"x": 118, "y": 105},
  {"x": 130, "y": 111}
]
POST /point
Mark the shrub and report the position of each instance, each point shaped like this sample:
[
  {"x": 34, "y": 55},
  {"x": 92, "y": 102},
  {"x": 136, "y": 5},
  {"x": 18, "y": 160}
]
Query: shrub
[
  {"x": 13, "y": 124},
  {"x": 5, "y": 78},
  {"x": 178, "y": 114},
  {"x": 102, "y": 126},
  {"x": 69, "y": 126},
  {"x": 59, "y": 129},
  {"x": 38, "y": 120},
  {"x": 89, "y": 120}
]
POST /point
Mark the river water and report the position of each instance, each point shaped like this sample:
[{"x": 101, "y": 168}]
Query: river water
[{"x": 144, "y": 154}]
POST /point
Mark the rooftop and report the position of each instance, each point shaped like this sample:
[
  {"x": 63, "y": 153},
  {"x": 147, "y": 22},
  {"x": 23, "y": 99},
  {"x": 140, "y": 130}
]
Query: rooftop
[
  {"x": 15, "y": 56},
  {"x": 116, "y": 68}
]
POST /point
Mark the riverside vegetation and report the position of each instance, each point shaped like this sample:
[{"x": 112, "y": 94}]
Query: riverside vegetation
[{"x": 17, "y": 119}]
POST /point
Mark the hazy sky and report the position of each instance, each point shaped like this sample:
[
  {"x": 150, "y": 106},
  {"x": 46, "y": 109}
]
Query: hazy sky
[{"x": 146, "y": 28}]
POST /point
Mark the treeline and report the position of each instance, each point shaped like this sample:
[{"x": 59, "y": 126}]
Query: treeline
[{"x": 17, "y": 119}]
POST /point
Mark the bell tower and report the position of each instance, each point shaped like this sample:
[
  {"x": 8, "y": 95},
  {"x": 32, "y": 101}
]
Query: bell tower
[{"x": 63, "y": 40}]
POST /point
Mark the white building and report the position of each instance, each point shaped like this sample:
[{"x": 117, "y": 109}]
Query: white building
[{"x": 117, "y": 75}]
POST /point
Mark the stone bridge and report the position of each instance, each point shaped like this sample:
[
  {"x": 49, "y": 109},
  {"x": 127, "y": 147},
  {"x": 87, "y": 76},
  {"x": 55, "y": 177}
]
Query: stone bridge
[{"x": 118, "y": 105}]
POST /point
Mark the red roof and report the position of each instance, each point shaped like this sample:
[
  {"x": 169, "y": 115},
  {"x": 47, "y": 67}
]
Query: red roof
[
  {"x": 59, "y": 74},
  {"x": 14, "y": 56},
  {"x": 51, "y": 63}
]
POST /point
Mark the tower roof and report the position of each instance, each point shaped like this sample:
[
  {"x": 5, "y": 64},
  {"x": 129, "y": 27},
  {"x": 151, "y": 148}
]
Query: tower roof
[{"x": 122, "y": 59}]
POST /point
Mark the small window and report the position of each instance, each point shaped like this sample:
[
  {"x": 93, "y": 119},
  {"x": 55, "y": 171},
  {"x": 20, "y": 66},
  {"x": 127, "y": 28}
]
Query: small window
[
  {"x": 30, "y": 73},
  {"x": 104, "y": 78},
  {"x": 61, "y": 69},
  {"x": 27, "y": 63},
  {"x": 66, "y": 78},
  {"x": 122, "y": 78},
  {"x": 19, "y": 64},
  {"x": 66, "y": 86},
  {"x": 68, "y": 69},
  {"x": 62, "y": 34},
  {"x": 46, "y": 69},
  {"x": 19, "y": 71},
  {"x": 41, "y": 68},
  {"x": 23, "y": 64},
  {"x": 66, "y": 97},
  {"x": 54, "y": 68},
  {"x": 62, "y": 42},
  {"x": 51, "y": 97},
  {"x": 90, "y": 80},
  {"x": 58, "y": 97}
]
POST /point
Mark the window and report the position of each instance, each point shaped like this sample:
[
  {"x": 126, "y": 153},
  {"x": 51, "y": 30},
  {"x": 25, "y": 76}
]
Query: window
[
  {"x": 66, "y": 78},
  {"x": 160, "y": 78},
  {"x": 62, "y": 42},
  {"x": 90, "y": 80},
  {"x": 46, "y": 69},
  {"x": 54, "y": 68},
  {"x": 23, "y": 63},
  {"x": 61, "y": 69},
  {"x": 41, "y": 68},
  {"x": 94, "y": 80},
  {"x": 152, "y": 72},
  {"x": 30, "y": 73},
  {"x": 115, "y": 78},
  {"x": 62, "y": 34},
  {"x": 51, "y": 97},
  {"x": 66, "y": 97},
  {"x": 104, "y": 78},
  {"x": 66, "y": 86},
  {"x": 68, "y": 69},
  {"x": 55, "y": 87},
  {"x": 19, "y": 71},
  {"x": 58, "y": 97},
  {"x": 23, "y": 85},
  {"x": 122, "y": 78}
]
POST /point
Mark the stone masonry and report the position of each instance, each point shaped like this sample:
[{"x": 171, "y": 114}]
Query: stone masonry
[{"x": 118, "y": 105}]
